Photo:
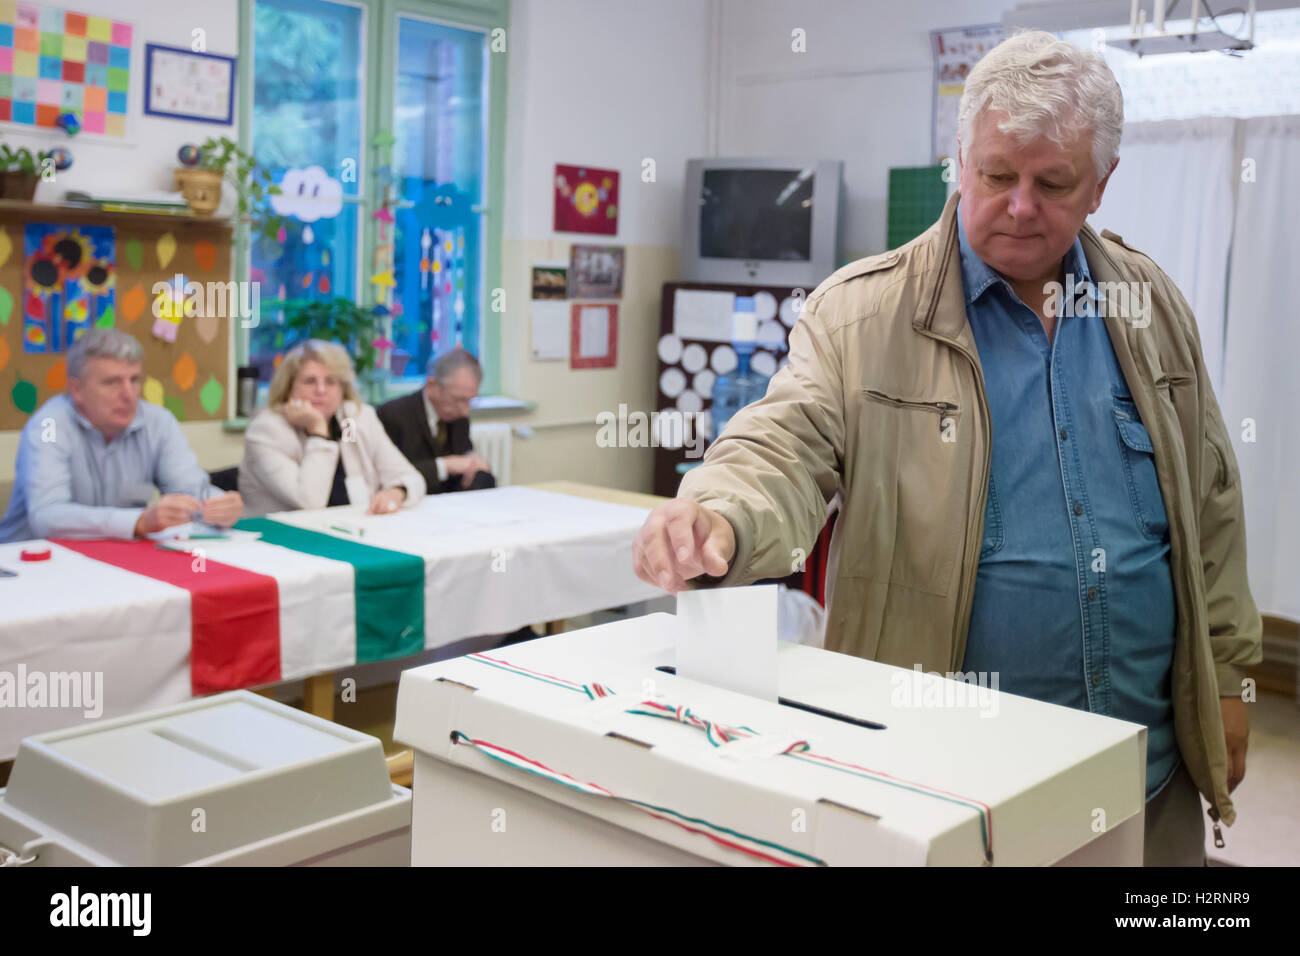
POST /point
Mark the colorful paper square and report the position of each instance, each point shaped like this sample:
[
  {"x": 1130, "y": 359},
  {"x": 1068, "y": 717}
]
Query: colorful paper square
[
  {"x": 72, "y": 96},
  {"x": 118, "y": 79},
  {"x": 51, "y": 44},
  {"x": 25, "y": 88},
  {"x": 74, "y": 48},
  {"x": 8, "y": 11},
  {"x": 96, "y": 98},
  {"x": 51, "y": 68},
  {"x": 26, "y": 64},
  {"x": 6, "y": 85},
  {"x": 115, "y": 124},
  {"x": 74, "y": 72},
  {"x": 96, "y": 75},
  {"x": 47, "y": 115},
  {"x": 116, "y": 102},
  {"x": 49, "y": 91},
  {"x": 24, "y": 113},
  {"x": 6, "y": 61},
  {"x": 97, "y": 52},
  {"x": 6, "y": 110},
  {"x": 28, "y": 16},
  {"x": 52, "y": 19},
  {"x": 29, "y": 40},
  {"x": 6, "y": 34},
  {"x": 119, "y": 57},
  {"x": 99, "y": 28},
  {"x": 74, "y": 24},
  {"x": 92, "y": 122},
  {"x": 122, "y": 34}
]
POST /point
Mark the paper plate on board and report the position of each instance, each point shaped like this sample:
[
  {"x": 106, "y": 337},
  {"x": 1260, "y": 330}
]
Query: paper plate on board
[
  {"x": 694, "y": 357},
  {"x": 723, "y": 360},
  {"x": 670, "y": 349},
  {"x": 703, "y": 383},
  {"x": 672, "y": 381}
]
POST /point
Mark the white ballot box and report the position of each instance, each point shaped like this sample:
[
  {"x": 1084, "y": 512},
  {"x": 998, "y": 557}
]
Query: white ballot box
[
  {"x": 579, "y": 749},
  {"x": 233, "y": 779}
]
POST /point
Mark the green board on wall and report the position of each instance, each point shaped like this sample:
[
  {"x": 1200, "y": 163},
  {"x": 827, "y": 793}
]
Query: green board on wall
[{"x": 916, "y": 198}]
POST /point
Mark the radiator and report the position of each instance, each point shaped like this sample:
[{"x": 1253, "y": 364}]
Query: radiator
[{"x": 492, "y": 441}]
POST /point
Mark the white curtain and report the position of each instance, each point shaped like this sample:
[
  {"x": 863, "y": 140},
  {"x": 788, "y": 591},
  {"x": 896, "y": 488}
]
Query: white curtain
[
  {"x": 1262, "y": 352},
  {"x": 1172, "y": 197}
]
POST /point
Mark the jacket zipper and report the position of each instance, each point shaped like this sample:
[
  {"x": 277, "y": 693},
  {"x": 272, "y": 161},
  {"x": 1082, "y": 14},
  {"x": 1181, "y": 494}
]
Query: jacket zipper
[{"x": 943, "y": 408}]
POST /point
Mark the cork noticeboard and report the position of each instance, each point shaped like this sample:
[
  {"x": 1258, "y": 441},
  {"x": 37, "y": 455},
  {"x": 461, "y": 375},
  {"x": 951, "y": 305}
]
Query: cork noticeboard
[{"x": 64, "y": 269}]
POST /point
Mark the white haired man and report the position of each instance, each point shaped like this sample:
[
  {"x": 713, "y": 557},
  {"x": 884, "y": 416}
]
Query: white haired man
[
  {"x": 89, "y": 460},
  {"x": 1035, "y": 477}
]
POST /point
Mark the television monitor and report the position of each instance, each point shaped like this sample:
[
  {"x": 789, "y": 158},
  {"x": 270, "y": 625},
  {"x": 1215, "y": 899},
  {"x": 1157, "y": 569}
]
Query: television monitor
[{"x": 761, "y": 221}]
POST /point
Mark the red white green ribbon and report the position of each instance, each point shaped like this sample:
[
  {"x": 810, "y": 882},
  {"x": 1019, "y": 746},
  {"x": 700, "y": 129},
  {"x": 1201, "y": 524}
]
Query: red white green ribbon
[
  {"x": 752, "y": 846},
  {"x": 718, "y": 734},
  {"x": 593, "y": 691}
]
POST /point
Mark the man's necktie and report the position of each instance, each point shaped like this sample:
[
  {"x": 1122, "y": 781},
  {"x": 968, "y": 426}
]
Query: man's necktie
[{"x": 442, "y": 434}]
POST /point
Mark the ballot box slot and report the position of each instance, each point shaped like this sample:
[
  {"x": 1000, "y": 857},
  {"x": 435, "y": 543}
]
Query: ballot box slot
[
  {"x": 207, "y": 750},
  {"x": 456, "y": 683},
  {"x": 808, "y": 708},
  {"x": 630, "y": 740},
  {"x": 823, "y": 802}
]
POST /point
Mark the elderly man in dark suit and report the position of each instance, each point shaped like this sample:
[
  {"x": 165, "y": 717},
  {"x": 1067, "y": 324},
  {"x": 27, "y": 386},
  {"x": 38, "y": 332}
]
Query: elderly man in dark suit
[{"x": 431, "y": 426}]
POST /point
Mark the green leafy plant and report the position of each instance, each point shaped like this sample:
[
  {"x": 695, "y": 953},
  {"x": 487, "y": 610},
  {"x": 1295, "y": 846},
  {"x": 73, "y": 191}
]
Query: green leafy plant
[
  {"x": 20, "y": 160},
  {"x": 334, "y": 320},
  {"x": 252, "y": 182}
]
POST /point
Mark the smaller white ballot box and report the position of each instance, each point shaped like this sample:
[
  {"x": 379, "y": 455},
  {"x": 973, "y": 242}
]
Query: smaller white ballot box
[
  {"x": 583, "y": 748},
  {"x": 233, "y": 779}
]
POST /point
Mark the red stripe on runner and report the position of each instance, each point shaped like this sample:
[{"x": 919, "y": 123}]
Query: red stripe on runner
[
  {"x": 234, "y": 614},
  {"x": 497, "y": 660}
]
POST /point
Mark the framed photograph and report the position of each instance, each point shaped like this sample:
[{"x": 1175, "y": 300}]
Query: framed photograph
[
  {"x": 595, "y": 272},
  {"x": 593, "y": 335},
  {"x": 183, "y": 84},
  {"x": 550, "y": 282}
]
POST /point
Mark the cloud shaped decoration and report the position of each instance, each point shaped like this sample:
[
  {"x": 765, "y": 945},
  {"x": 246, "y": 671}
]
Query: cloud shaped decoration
[{"x": 308, "y": 194}]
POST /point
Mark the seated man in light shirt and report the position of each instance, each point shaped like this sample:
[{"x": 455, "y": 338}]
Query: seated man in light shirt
[{"x": 89, "y": 460}]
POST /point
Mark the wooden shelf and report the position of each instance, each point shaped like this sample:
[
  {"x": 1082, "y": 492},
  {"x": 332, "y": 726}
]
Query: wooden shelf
[{"x": 93, "y": 215}]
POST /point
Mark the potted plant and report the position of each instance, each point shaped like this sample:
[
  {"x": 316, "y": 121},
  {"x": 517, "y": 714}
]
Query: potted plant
[
  {"x": 219, "y": 160},
  {"x": 21, "y": 172},
  {"x": 334, "y": 320}
]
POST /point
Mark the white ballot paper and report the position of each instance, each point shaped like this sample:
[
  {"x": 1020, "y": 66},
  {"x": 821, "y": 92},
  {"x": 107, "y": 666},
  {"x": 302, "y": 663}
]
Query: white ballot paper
[{"x": 727, "y": 637}]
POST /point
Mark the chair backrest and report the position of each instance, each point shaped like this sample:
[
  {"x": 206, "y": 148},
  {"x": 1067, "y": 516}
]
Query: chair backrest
[{"x": 227, "y": 479}]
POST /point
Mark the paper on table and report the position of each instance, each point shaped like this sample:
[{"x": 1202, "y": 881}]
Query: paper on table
[
  {"x": 550, "y": 330},
  {"x": 727, "y": 637},
  {"x": 703, "y": 315}
]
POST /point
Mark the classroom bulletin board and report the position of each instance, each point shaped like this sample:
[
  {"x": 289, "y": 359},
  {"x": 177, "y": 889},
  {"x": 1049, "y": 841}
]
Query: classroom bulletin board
[{"x": 64, "y": 270}]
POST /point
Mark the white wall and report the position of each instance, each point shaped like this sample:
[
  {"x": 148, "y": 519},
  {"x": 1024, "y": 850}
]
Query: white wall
[
  {"x": 607, "y": 84},
  {"x": 145, "y": 157},
  {"x": 862, "y": 92}
]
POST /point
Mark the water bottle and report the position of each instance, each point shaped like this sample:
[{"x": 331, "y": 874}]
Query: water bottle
[{"x": 742, "y": 385}]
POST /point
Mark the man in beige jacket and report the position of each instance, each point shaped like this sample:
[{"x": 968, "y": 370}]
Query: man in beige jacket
[{"x": 1034, "y": 474}]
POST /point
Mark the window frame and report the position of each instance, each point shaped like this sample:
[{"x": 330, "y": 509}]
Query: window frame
[{"x": 379, "y": 79}]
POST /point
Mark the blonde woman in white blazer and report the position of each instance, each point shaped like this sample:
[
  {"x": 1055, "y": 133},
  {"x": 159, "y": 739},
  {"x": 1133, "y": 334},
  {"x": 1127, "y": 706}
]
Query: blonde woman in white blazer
[{"x": 317, "y": 444}]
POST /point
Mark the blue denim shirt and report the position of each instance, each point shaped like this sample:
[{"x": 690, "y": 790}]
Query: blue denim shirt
[
  {"x": 1074, "y": 600},
  {"x": 70, "y": 483}
]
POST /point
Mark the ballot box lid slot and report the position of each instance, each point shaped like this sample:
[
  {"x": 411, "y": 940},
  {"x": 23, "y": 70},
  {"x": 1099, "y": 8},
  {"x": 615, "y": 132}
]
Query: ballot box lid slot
[
  {"x": 823, "y": 801},
  {"x": 630, "y": 740},
  {"x": 456, "y": 683}
]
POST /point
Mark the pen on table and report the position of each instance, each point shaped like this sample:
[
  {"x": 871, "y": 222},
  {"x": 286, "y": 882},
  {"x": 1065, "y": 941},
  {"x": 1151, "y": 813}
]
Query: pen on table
[{"x": 359, "y": 532}]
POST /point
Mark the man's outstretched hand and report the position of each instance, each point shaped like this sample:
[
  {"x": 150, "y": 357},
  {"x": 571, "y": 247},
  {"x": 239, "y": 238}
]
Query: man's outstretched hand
[{"x": 681, "y": 540}]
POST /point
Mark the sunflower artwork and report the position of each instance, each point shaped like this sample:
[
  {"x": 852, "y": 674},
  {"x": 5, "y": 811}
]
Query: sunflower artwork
[{"x": 67, "y": 284}]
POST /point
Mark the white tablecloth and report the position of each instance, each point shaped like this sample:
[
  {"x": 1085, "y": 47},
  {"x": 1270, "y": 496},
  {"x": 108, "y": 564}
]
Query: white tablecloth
[{"x": 495, "y": 561}]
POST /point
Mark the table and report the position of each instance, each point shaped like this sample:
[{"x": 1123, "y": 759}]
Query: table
[{"x": 107, "y": 639}]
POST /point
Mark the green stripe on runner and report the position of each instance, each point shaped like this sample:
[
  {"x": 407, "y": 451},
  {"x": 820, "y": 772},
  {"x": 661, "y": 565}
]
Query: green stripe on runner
[{"x": 389, "y": 587}]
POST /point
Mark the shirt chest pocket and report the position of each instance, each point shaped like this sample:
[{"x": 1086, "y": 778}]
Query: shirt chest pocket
[
  {"x": 913, "y": 475},
  {"x": 1137, "y": 455}
]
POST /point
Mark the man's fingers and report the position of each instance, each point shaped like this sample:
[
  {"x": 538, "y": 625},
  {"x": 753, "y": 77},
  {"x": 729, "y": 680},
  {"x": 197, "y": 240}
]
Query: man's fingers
[{"x": 680, "y": 531}]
